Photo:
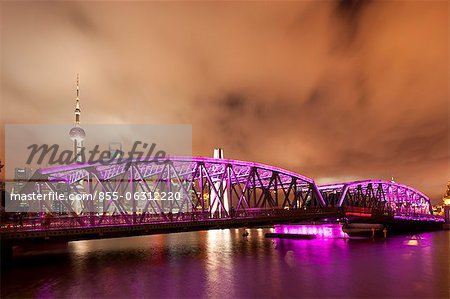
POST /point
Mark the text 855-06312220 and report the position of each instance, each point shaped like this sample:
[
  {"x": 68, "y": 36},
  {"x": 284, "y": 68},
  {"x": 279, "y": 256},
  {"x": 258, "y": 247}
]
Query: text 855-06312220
[{"x": 144, "y": 196}]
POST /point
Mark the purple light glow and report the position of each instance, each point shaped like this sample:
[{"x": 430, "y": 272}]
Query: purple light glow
[
  {"x": 323, "y": 231},
  {"x": 225, "y": 176},
  {"x": 71, "y": 167},
  {"x": 431, "y": 218}
]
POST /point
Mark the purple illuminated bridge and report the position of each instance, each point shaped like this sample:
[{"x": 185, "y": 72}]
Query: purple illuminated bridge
[{"x": 194, "y": 193}]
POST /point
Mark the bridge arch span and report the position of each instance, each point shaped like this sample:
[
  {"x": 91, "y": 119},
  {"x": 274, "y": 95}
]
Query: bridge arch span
[
  {"x": 216, "y": 187},
  {"x": 391, "y": 197}
]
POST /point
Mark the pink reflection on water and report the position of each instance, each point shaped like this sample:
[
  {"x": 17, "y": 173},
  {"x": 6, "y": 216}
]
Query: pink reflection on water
[{"x": 325, "y": 231}]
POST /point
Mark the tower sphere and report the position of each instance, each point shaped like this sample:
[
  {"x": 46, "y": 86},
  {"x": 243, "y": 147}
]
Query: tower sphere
[{"x": 77, "y": 133}]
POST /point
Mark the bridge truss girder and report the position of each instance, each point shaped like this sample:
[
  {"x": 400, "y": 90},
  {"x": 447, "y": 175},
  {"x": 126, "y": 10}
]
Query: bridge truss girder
[
  {"x": 388, "y": 197},
  {"x": 213, "y": 188}
]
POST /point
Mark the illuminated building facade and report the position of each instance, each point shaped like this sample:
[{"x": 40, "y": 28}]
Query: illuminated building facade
[{"x": 446, "y": 203}]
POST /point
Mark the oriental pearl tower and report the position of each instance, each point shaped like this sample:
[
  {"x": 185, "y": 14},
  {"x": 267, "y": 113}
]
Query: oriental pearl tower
[{"x": 77, "y": 133}]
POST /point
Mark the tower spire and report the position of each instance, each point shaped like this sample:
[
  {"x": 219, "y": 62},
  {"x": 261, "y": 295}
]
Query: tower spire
[
  {"x": 77, "y": 105},
  {"x": 77, "y": 133}
]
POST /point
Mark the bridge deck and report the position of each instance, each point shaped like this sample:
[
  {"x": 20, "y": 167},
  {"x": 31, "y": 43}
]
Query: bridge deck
[{"x": 28, "y": 233}]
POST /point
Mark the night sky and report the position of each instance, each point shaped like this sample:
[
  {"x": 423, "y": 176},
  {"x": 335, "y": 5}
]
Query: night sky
[{"x": 333, "y": 90}]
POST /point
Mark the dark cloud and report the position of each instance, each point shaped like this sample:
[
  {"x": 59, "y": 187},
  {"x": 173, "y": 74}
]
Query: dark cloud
[
  {"x": 82, "y": 21},
  {"x": 234, "y": 103},
  {"x": 356, "y": 158},
  {"x": 421, "y": 143},
  {"x": 315, "y": 97},
  {"x": 349, "y": 13},
  {"x": 351, "y": 9}
]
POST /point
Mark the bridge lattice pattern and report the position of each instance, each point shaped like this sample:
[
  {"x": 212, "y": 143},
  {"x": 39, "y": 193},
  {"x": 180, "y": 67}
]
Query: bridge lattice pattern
[
  {"x": 386, "y": 197},
  {"x": 210, "y": 189}
]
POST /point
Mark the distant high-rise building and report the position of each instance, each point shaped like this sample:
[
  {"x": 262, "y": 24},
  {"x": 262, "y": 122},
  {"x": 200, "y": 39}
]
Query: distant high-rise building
[
  {"x": 77, "y": 133},
  {"x": 218, "y": 153},
  {"x": 446, "y": 203},
  {"x": 221, "y": 187},
  {"x": 446, "y": 198},
  {"x": 57, "y": 206},
  {"x": 21, "y": 176},
  {"x": 115, "y": 150}
]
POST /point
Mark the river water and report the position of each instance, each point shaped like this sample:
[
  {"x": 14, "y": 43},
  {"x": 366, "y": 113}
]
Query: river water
[{"x": 224, "y": 264}]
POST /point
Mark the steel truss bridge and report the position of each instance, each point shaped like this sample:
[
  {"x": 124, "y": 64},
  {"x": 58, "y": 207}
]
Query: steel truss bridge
[{"x": 128, "y": 199}]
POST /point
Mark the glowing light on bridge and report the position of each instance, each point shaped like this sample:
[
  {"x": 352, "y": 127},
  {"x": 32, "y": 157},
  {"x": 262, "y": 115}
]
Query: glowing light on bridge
[
  {"x": 240, "y": 190},
  {"x": 388, "y": 197},
  {"x": 207, "y": 188}
]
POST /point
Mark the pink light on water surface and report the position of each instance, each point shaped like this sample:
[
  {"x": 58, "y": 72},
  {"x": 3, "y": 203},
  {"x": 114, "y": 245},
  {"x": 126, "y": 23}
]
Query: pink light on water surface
[{"x": 324, "y": 231}]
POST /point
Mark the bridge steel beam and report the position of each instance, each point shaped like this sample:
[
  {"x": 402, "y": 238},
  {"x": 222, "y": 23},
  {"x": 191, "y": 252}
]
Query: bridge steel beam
[
  {"x": 207, "y": 188},
  {"x": 392, "y": 198}
]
